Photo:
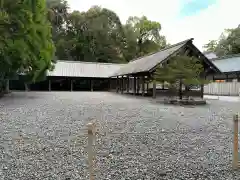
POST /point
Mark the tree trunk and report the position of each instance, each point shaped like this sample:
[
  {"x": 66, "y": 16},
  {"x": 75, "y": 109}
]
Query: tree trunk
[
  {"x": 180, "y": 89},
  {"x": 7, "y": 86},
  {"x": 26, "y": 87}
]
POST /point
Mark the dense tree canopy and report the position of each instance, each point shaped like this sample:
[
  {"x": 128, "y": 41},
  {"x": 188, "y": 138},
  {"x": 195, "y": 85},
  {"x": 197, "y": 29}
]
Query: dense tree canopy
[
  {"x": 98, "y": 34},
  {"x": 26, "y": 40},
  {"x": 142, "y": 37},
  {"x": 31, "y": 29},
  {"x": 227, "y": 44}
]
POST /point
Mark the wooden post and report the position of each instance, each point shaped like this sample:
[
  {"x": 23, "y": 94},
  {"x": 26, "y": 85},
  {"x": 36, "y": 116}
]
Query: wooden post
[
  {"x": 154, "y": 89},
  {"x": 202, "y": 91},
  {"x": 130, "y": 84},
  {"x": 110, "y": 84},
  {"x": 91, "y": 82},
  {"x": 71, "y": 84},
  {"x": 138, "y": 85},
  {"x": 143, "y": 85},
  {"x": 26, "y": 87},
  {"x": 117, "y": 85},
  {"x": 180, "y": 89},
  {"x": 49, "y": 85},
  {"x": 134, "y": 85},
  {"x": 7, "y": 86},
  {"x": 127, "y": 84},
  {"x": 91, "y": 135},
  {"x": 235, "y": 141},
  {"x": 147, "y": 85},
  {"x": 122, "y": 85}
]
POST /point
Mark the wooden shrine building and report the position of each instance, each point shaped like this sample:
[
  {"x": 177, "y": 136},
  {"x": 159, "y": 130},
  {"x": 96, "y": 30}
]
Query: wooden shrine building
[{"x": 135, "y": 76}]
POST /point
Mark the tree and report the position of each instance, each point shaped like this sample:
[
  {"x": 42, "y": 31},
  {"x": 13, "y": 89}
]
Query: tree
[
  {"x": 26, "y": 43},
  {"x": 228, "y": 43},
  {"x": 180, "y": 70},
  {"x": 57, "y": 11},
  {"x": 98, "y": 35},
  {"x": 210, "y": 46},
  {"x": 143, "y": 37},
  {"x": 95, "y": 35}
]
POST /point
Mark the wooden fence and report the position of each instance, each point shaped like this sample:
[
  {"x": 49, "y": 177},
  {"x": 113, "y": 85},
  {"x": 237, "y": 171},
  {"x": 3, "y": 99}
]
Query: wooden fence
[{"x": 223, "y": 88}]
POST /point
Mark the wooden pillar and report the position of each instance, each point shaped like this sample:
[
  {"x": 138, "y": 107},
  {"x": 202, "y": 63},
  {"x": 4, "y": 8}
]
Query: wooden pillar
[
  {"x": 122, "y": 85},
  {"x": 7, "y": 86},
  {"x": 110, "y": 84},
  {"x": 26, "y": 87},
  {"x": 147, "y": 85},
  {"x": 180, "y": 89},
  {"x": 134, "y": 85},
  {"x": 91, "y": 84},
  {"x": 117, "y": 84},
  {"x": 127, "y": 84},
  {"x": 138, "y": 85},
  {"x": 154, "y": 89},
  {"x": 202, "y": 91},
  {"x": 49, "y": 85},
  {"x": 130, "y": 84},
  {"x": 71, "y": 81},
  {"x": 143, "y": 85}
]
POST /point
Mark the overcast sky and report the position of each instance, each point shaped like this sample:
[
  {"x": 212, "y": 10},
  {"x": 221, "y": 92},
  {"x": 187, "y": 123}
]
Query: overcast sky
[{"x": 202, "y": 20}]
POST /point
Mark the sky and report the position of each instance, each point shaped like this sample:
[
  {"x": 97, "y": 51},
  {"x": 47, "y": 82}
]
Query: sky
[{"x": 202, "y": 20}]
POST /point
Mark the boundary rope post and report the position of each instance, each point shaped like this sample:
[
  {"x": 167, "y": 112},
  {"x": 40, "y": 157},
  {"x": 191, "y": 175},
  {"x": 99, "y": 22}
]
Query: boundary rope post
[
  {"x": 235, "y": 141},
  {"x": 91, "y": 134}
]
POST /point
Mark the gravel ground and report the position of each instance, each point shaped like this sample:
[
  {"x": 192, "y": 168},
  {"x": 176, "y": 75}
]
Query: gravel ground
[{"x": 43, "y": 136}]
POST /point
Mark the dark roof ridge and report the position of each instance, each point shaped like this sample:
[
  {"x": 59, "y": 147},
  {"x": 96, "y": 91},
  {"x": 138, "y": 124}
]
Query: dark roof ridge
[
  {"x": 87, "y": 62},
  {"x": 226, "y": 57},
  {"x": 185, "y": 41}
]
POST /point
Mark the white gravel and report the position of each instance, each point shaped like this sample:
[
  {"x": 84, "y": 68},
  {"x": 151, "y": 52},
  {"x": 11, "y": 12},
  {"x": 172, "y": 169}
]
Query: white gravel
[{"x": 42, "y": 137}]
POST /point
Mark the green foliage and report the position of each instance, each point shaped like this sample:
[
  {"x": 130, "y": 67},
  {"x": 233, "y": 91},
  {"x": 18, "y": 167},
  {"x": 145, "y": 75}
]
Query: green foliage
[
  {"x": 210, "y": 46},
  {"x": 98, "y": 35},
  {"x": 227, "y": 44},
  {"x": 95, "y": 35},
  {"x": 26, "y": 43},
  {"x": 142, "y": 37},
  {"x": 186, "y": 69}
]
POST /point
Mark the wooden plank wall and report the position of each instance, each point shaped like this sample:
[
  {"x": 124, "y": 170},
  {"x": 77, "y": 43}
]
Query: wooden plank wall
[{"x": 223, "y": 88}]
